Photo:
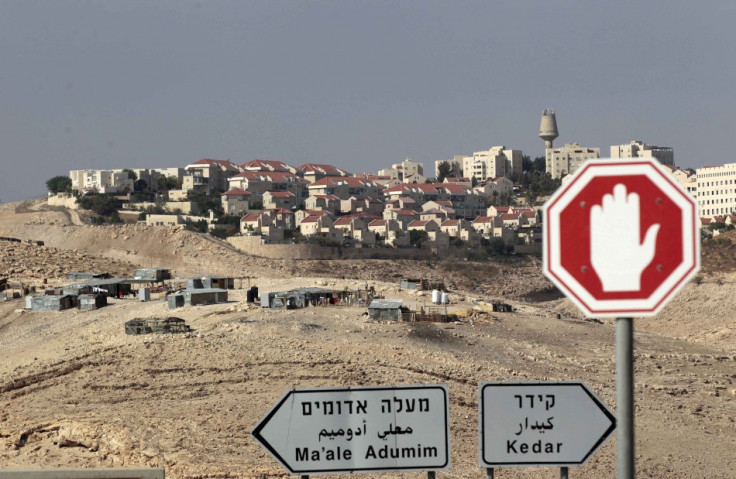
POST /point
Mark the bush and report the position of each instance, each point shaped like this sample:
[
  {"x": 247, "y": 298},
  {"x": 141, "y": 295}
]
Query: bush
[
  {"x": 59, "y": 184},
  {"x": 103, "y": 205}
]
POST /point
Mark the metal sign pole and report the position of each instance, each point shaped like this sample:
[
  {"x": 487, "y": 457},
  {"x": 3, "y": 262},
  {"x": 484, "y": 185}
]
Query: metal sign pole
[
  {"x": 625, "y": 396},
  {"x": 489, "y": 473},
  {"x": 430, "y": 475},
  {"x": 563, "y": 473}
]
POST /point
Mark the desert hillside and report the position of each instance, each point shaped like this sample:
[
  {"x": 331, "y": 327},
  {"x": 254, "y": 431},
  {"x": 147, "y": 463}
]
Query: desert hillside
[{"x": 76, "y": 391}]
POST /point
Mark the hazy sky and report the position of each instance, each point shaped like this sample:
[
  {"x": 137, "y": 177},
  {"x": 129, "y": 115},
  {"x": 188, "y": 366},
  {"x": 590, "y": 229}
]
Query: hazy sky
[{"x": 361, "y": 85}]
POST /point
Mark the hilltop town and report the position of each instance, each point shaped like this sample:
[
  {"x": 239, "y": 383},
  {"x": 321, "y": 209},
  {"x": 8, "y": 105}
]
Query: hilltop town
[{"x": 487, "y": 201}]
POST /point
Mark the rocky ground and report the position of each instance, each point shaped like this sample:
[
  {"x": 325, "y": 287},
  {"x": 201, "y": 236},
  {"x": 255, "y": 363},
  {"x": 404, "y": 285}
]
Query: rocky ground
[{"x": 76, "y": 391}]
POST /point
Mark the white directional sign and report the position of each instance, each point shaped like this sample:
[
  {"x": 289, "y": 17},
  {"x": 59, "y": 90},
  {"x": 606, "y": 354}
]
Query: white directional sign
[
  {"x": 540, "y": 424},
  {"x": 366, "y": 429}
]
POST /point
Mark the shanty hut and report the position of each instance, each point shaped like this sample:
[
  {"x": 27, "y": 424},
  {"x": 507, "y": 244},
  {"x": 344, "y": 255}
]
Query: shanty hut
[
  {"x": 113, "y": 287},
  {"x": 153, "y": 275},
  {"x": 385, "y": 309},
  {"x": 194, "y": 297},
  {"x": 86, "y": 275},
  {"x": 92, "y": 301},
  {"x": 50, "y": 303}
]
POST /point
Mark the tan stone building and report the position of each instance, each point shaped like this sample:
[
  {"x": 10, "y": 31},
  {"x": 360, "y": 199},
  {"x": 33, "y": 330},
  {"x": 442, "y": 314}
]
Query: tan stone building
[
  {"x": 639, "y": 149},
  {"x": 567, "y": 159},
  {"x": 492, "y": 163}
]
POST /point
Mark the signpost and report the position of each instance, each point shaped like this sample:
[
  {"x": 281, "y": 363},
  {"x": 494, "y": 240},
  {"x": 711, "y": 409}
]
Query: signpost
[
  {"x": 540, "y": 424},
  {"x": 621, "y": 239},
  {"x": 366, "y": 429}
]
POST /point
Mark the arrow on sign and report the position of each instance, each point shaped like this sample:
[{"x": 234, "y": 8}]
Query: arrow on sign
[
  {"x": 324, "y": 431},
  {"x": 541, "y": 424}
]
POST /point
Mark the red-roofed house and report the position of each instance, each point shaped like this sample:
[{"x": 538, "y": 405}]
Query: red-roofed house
[
  {"x": 320, "y": 227},
  {"x": 259, "y": 182},
  {"x": 496, "y": 187},
  {"x": 438, "y": 215},
  {"x": 208, "y": 175},
  {"x": 329, "y": 203},
  {"x": 345, "y": 187},
  {"x": 279, "y": 199},
  {"x": 404, "y": 217},
  {"x": 266, "y": 166},
  {"x": 437, "y": 239},
  {"x": 384, "y": 181},
  {"x": 389, "y": 231},
  {"x": 299, "y": 215},
  {"x": 235, "y": 201},
  {"x": 498, "y": 210},
  {"x": 402, "y": 203},
  {"x": 459, "y": 181},
  {"x": 361, "y": 204},
  {"x": 461, "y": 229},
  {"x": 514, "y": 220},
  {"x": 356, "y": 228},
  {"x": 314, "y": 172}
]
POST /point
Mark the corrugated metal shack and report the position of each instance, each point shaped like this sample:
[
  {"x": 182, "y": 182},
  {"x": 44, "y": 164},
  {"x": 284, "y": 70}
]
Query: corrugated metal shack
[
  {"x": 92, "y": 301},
  {"x": 156, "y": 325},
  {"x": 221, "y": 282},
  {"x": 87, "y": 275},
  {"x": 298, "y": 298},
  {"x": 385, "y": 309},
  {"x": 152, "y": 274},
  {"x": 194, "y": 297},
  {"x": 50, "y": 303},
  {"x": 76, "y": 289},
  {"x": 113, "y": 287}
]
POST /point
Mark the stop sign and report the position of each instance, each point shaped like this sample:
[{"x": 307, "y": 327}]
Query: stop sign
[{"x": 621, "y": 238}]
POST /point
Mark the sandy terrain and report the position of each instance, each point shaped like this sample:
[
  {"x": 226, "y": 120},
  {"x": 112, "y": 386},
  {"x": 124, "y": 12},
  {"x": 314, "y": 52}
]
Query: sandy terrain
[{"x": 76, "y": 391}]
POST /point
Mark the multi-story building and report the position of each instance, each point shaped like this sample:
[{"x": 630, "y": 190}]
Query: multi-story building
[
  {"x": 345, "y": 187},
  {"x": 209, "y": 175},
  {"x": 639, "y": 149},
  {"x": 406, "y": 168},
  {"x": 716, "y": 189},
  {"x": 567, "y": 159},
  {"x": 492, "y": 163},
  {"x": 101, "y": 181}
]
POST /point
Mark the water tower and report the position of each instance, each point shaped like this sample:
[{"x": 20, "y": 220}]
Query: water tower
[{"x": 548, "y": 127}]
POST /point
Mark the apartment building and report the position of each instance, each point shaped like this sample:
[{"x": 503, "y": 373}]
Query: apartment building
[
  {"x": 209, "y": 175},
  {"x": 567, "y": 159},
  {"x": 492, "y": 163},
  {"x": 101, "y": 181},
  {"x": 716, "y": 189},
  {"x": 406, "y": 168},
  {"x": 639, "y": 149}
]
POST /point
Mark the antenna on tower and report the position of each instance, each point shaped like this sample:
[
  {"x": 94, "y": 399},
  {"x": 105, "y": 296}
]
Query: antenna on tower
[{"x": 548, "y": 127}]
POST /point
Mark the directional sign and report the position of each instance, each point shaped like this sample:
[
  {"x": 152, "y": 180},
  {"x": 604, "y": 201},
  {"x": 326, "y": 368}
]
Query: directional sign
[
  {"x": 621, "y": 238},
  {"x": 367, "y": 429},
  {"x": 540, "y": 424}
]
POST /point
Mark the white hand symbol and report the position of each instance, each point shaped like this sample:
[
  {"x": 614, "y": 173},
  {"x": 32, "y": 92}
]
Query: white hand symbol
[{"x": 615, "y": 252}]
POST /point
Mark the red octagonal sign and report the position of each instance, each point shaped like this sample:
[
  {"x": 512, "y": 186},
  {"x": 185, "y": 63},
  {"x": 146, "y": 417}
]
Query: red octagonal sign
[{"x": 621, "y": 238}]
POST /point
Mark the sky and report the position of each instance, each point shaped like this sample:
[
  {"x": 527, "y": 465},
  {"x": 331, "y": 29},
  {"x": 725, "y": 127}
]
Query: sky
[{"x": 355, "y": 84}]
